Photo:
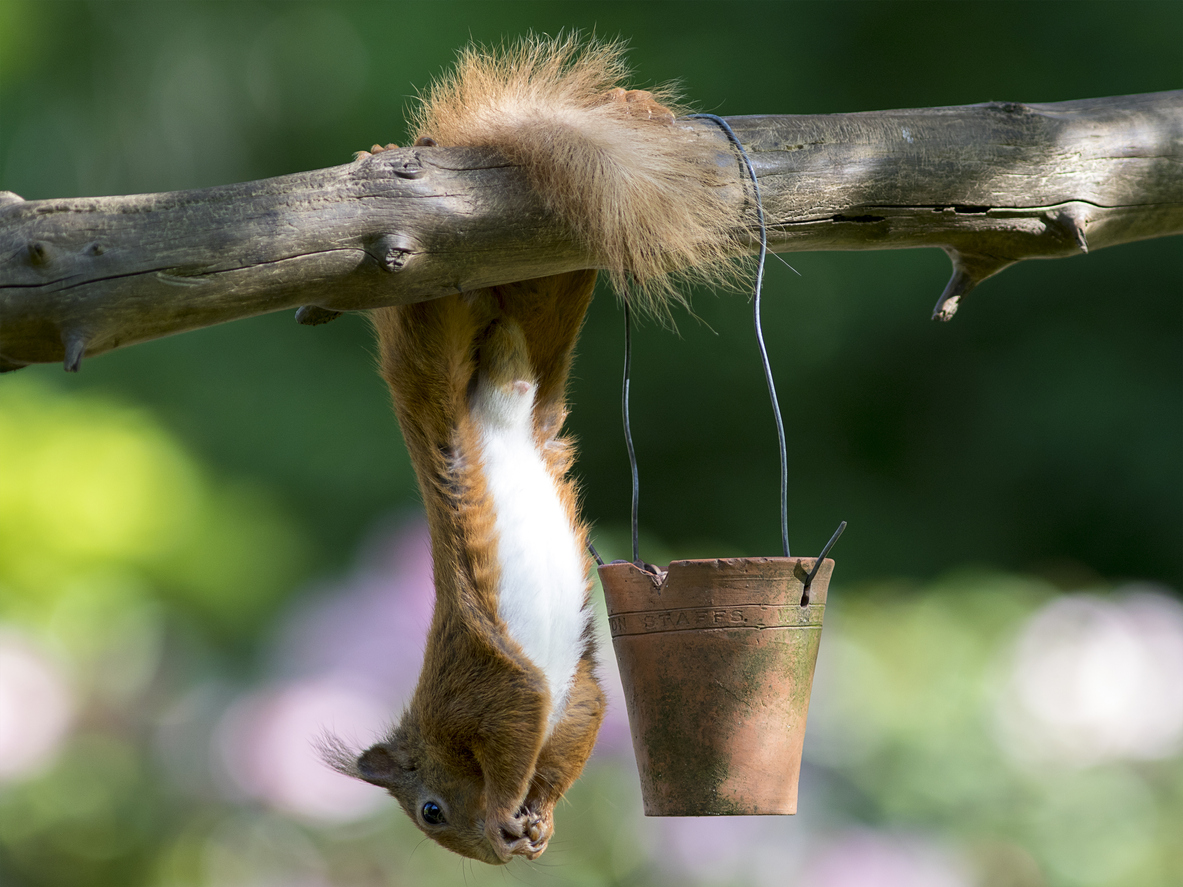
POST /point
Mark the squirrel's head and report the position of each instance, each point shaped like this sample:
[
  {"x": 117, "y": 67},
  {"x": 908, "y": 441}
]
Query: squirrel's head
[{"x": 445, "y": 799}]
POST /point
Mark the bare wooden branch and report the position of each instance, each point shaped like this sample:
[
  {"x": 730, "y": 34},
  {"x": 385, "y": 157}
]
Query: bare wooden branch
[{"x": 991, "y": 184}]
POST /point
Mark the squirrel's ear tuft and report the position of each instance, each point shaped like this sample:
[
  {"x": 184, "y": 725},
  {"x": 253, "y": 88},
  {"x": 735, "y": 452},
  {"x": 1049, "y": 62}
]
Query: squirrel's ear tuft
[{"x": 338, "y": 755}]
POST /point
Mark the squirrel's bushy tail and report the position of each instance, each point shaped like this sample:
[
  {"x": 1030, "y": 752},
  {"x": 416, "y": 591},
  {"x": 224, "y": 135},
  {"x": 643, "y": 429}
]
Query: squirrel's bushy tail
[{"x": 648, "y": 196}]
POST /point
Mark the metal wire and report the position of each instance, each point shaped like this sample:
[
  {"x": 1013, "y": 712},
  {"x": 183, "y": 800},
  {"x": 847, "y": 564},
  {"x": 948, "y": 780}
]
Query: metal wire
[
  {"x": 780, "y": 425},
  {"x": 628, "y": 432},
  {"x": 817, "y": 564}
]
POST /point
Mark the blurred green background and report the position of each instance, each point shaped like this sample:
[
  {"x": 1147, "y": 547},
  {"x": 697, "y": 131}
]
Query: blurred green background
[{"x": 166, "y": 514}]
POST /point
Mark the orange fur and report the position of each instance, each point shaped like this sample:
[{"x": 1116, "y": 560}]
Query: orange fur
[{"x": 647, "y": 196}]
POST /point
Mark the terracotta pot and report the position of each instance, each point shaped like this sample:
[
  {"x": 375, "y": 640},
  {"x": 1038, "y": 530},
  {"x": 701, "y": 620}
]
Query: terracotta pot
[{"x": 717, "y": 663}]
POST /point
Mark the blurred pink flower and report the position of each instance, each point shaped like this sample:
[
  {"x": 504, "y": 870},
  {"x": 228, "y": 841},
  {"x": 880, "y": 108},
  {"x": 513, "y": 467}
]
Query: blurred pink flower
[
  {"x": 868, "y": 858},
  {"x": 371, "y": 626},
  {"x": 36, "y": 707},
  {"x": 1095, "y": 678},
  {"x": 268, "y": 745}
]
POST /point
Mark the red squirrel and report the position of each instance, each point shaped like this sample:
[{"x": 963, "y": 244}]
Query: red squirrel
[{"x": 508, "y": 706}]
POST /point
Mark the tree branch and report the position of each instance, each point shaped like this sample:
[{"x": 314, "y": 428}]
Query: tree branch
[{"x": 991, "y": 184}]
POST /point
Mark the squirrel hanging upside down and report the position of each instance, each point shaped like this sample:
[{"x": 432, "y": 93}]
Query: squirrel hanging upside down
[{"x": 508, "y": 706}]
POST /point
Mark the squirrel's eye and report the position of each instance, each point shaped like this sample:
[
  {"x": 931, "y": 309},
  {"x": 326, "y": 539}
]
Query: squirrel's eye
[{"x": 433, "y": 814}]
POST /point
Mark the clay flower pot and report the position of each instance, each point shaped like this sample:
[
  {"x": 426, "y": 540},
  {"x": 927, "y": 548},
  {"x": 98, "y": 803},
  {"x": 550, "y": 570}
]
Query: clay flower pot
[{"x": 717, "y": 663}]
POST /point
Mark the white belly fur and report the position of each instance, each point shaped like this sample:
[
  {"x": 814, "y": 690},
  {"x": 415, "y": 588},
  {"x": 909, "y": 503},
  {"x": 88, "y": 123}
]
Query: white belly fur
[{"x": 543, "y": 579}]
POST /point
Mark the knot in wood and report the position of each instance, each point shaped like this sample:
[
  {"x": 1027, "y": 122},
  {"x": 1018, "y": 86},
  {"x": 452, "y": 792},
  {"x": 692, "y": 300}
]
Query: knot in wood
[
  {"x": 410, "y": 169},
  {"x": 38, "y": 252},
  {"x": 392, "y": 251}
]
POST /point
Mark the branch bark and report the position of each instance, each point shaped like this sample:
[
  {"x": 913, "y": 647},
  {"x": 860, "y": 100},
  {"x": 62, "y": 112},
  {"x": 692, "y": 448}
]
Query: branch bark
[{"x": 991, "y": 184}]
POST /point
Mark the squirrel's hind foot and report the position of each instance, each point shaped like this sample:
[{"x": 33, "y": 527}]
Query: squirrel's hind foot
[
  {"x": 375, "y": 149},
  {"x": 640, "y": 103}
]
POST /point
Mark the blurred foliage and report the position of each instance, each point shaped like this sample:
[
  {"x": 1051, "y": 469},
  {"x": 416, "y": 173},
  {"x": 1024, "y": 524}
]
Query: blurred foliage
[
  {"x": 100, "y": 510},
  {"x": 159, "y": 509}
]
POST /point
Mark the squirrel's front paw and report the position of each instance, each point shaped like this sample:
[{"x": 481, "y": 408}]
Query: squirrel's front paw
[
  {"x": 538, "y": 828},
  {"x": 536, "y": 831},
  {"x": 526, "y": 833}
]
